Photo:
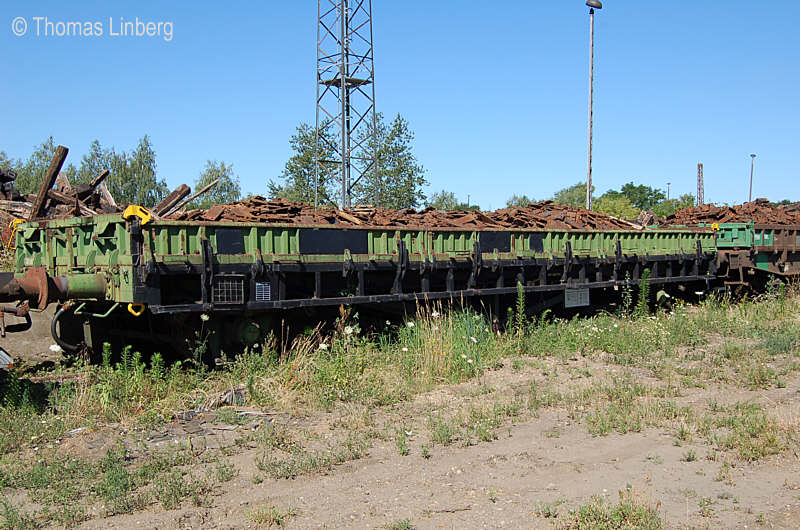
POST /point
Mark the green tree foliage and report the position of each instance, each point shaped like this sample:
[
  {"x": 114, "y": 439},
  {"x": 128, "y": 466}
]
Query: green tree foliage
[
  {"x": 400, "y": 178},
  {"x": 5, "y": 162},
  {"x": 446, "y": 200},
  {"x": 575, "y": 195},
  {"x": 519, "y": 201},
  {"x": 616, "y": 205},
  {"x": 133, "y": 178},
  {"x": 642, "y": 197},
  {"x": 94, "y": 162},
  {"x": 31, "y": 171},
  {"x": 226, "y": 191},
  {"x": 397, "y": 184},
  {"x": 298, "y": 174},
  {"x": 669, "y": 207}
]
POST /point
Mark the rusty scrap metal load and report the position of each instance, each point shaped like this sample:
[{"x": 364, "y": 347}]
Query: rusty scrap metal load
[
  {"x": 541, "y": 215},
  {"x": 760, "y": 211},
  {"x": 551, "y": 216}
]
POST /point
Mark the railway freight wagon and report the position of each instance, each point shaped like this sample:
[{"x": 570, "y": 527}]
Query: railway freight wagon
[
  {"x": 130, "y": 278},
  {"x": 749, "y": 254}
]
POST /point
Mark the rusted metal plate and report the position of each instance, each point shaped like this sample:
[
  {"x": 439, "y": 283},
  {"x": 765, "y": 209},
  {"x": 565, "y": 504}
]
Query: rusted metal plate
[
  {"x": 760, "y": 211},
  {"x": 541, "y": 215}
]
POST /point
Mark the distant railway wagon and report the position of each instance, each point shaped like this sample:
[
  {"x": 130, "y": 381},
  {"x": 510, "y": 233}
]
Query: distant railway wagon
[
  {"x": 129, "y": 277},
  {"x": 749, "y": 249}
]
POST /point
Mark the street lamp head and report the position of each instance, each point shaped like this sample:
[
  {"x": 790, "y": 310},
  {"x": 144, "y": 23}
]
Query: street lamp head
[
  {"x": 594, "y": 4},
  {"x": 752, "y": 156}
]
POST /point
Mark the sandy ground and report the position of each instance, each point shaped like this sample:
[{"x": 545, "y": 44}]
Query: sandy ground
[
  {"x": 536, "y": 461},
  {"x": 32, "y": 346},
  {"x": 502, "y": 484}
]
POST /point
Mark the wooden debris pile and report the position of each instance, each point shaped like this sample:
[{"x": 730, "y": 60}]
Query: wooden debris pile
[
  {"x": 759, "y": 211},
  {"x": 542, "y": 215},
  {"x": 647, "y": 218},
  {"x": 56, "y": 198}
]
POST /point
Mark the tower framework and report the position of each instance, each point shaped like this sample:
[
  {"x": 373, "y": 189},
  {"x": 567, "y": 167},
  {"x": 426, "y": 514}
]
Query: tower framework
[
  {"x": 346, "y": 120},
  {"x": 700, "y": 186}
]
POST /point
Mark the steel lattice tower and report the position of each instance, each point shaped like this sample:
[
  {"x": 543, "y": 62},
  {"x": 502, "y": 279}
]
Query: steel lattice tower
[
  {"x": 345, "y": 92},
  {"x": 700, "y": 186}
]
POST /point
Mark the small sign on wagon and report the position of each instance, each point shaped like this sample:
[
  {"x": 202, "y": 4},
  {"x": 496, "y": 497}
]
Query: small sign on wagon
[{"x": 576, "y": 297}]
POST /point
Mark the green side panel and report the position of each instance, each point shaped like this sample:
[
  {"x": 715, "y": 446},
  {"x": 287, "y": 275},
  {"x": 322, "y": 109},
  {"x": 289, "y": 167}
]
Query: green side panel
[
  {"x": 601, "y": 244},
  {"x": 102, "y": 245},
  {"x": 762, "y": 261},
  {"x": 735, "y": 235},
  {"x": 415, "y": 241},
  {"x": 381, "y": 242},
  {"x": 386, "y": 242},
  {"x": 79, "y": 246},
  {"x": 454, "y": 243},
  {"x": 74, "y": 245}
]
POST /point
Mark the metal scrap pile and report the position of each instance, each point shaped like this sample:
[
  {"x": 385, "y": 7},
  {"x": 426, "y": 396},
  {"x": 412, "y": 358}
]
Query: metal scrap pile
[
  {"x": 760, "y": 211},
  {"x": 261, "y": 210},
  {"x": 544, "y": 215},
  {"x": 552, "y": 216}
]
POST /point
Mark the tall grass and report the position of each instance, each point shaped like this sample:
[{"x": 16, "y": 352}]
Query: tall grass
[{"x": 321, "y": 370}]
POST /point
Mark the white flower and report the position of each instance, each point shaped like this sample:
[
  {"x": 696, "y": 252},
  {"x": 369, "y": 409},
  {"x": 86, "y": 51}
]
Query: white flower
[
  {"x": 323, "y": 346},
  {"x": 204, "y": 317},
  {"x": 55, "y": 348},
  {"x": 410, "y": 324},
  {"x": 435, "y": 314},
  {"x": 469, "y": 361},
  {"x": 463, "y": 356},
  {"x": 403, "y": 349},
  {"x": 616, "y": 325},
  {"x": 409, "y": 433},
  {"x": 388, "y": 323},
  {"x": 348, "y": 330},
  {"x": 473, "y": 339}
]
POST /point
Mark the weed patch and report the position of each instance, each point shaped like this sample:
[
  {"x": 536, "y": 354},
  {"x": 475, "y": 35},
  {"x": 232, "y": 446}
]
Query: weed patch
[
  {"x": 631, "y": 512},
  {"x": 271, "y": 515},
  {"x": 300, "y": 462}
]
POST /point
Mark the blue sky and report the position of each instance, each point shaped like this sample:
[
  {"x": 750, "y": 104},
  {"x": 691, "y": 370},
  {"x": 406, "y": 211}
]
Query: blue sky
[{"x": 495, "y": 92}]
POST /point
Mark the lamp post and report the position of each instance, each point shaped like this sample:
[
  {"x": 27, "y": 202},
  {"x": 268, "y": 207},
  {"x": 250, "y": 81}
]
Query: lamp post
[
  {"x": 593, "y": 4},
  {"x": 668, "y": 183},
  {"x": 752, "y": 166}
]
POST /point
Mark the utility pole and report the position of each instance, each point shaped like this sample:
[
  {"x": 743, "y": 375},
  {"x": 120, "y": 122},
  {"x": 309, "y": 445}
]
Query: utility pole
[
  {"x": 668, "y": 183},
  {"x": 346, "y": 119},
  {"x": 701, "y": 200},
  {"x": 752, "y": 166},
  {"x": 593, "y": 4}
]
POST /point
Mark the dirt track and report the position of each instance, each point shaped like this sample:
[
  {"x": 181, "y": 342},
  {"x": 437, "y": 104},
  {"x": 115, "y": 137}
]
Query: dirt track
[
  {"x": 32, "y": 346},
  {"x": 506, "y": 483}
]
